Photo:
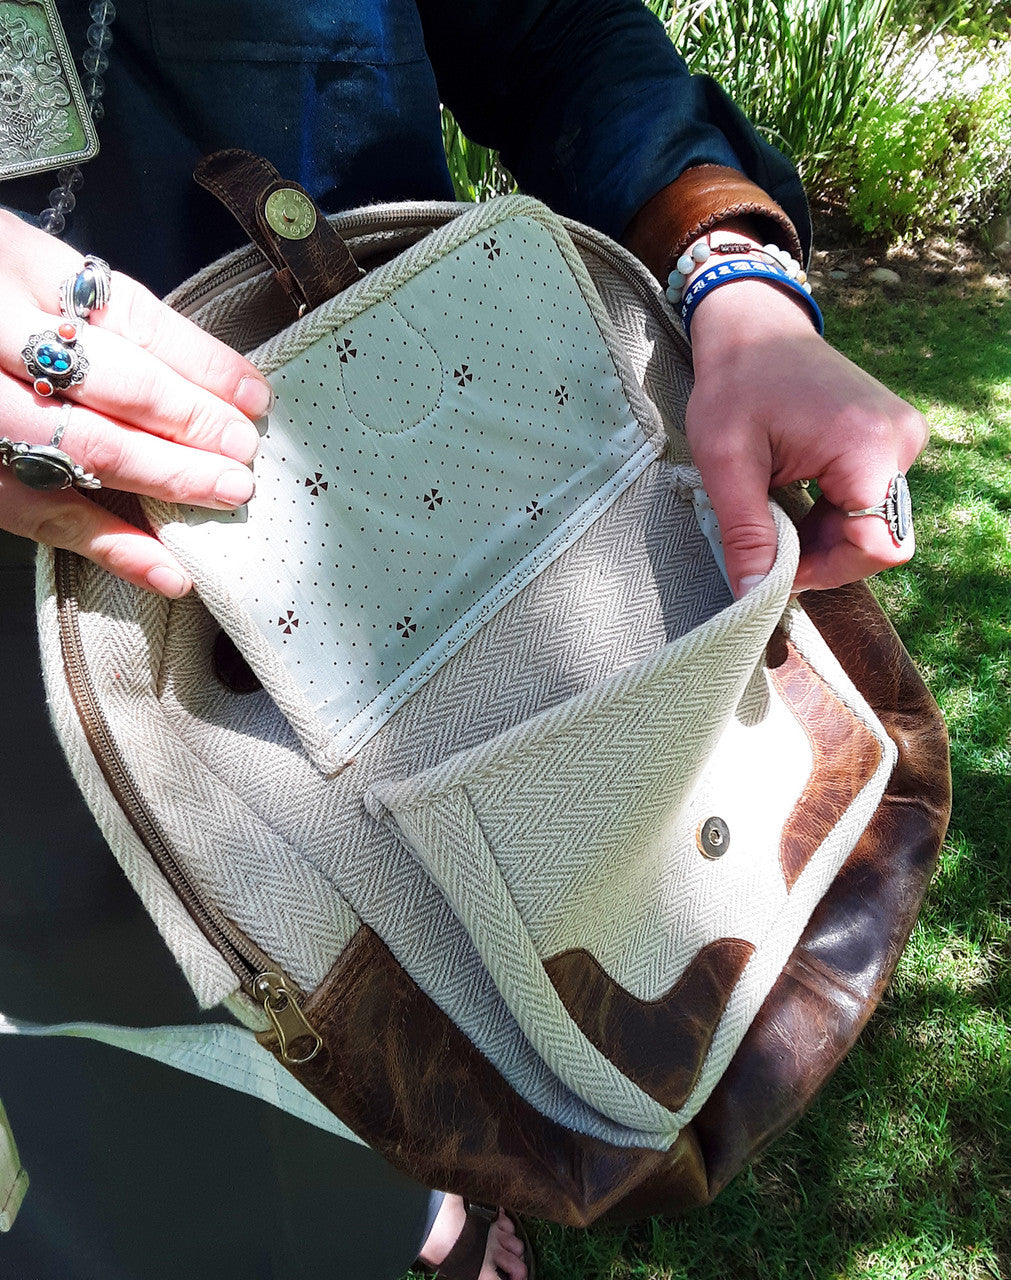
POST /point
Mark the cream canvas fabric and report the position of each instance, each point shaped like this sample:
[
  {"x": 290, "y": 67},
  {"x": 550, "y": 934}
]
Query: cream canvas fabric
[{"x": 537, "y": 787}]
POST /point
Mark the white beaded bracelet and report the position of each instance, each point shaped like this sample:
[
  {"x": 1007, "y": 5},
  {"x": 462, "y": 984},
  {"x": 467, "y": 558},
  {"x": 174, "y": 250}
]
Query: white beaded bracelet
[{"x": 702, "y": 250}]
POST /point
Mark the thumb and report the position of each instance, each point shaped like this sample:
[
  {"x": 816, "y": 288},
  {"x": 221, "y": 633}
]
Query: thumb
[{"x": 739, "y": 490}]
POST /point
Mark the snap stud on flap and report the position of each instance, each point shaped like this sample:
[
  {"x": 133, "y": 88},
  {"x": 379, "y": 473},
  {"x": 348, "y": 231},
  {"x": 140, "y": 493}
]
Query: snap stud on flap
[
  {"x": 713, "y": 838},
  {"x": 290, "y": 213}
]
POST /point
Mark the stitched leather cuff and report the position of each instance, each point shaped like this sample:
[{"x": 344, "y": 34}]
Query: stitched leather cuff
[{"x": 700, "y": 199}]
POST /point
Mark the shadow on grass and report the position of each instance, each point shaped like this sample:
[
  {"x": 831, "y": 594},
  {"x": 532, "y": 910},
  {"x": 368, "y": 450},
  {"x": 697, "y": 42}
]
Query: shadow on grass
[{"x": 928, "y": 348}]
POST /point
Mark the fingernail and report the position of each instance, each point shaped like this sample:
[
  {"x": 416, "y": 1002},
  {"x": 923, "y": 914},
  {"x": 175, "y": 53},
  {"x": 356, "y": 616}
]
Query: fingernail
[
  {"x": 234, "y": 487},
  {"x": 749, "y": 582},
  {"x": 167, "y": 581},
  {"x": 240, "y": 440},
  {"x": 254, "y": 397}
]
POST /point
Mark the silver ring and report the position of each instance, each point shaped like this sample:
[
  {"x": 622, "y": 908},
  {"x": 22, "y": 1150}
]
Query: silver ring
[
  {"x": 54, "y": 359},
  {"x": 46, "y": 466},
  {"x": 87, "y": 291},
  {"x": 896, "y": 510}
]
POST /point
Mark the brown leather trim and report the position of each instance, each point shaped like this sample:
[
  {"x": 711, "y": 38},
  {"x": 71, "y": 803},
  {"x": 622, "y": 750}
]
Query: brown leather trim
[
  {"x": 405, "y": 1078},
  {"x": 659, "y": 1044},
  {"x": 848, "y": 952},
  {"x": 402, "y": 1075},
  {"x": 696, "y": 202},
  {"x": 846, "y": 754},
  {"x": 310, "y": 270}
]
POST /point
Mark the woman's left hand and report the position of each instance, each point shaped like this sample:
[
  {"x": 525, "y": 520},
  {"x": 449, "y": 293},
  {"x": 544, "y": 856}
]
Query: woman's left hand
[{"x": 774, "y": 403}]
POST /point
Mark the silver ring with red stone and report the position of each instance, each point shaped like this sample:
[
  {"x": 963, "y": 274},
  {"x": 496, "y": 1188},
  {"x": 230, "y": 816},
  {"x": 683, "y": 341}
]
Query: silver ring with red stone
[
  {"x": 896, "y": 510},
  {"x": 54, "y": 359},
  {"x": 46, "y": 466}
]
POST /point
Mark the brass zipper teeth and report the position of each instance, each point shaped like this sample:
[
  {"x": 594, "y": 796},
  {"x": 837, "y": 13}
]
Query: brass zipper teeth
[{"x": 242, "y": 959}]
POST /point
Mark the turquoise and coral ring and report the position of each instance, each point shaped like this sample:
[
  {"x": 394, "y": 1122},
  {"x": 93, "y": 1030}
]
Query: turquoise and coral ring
[{"x": 54, "y": 359}]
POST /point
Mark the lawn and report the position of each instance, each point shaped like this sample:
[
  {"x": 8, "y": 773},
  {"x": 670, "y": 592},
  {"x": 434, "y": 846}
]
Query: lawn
[{"x": 903, "y": 1167}]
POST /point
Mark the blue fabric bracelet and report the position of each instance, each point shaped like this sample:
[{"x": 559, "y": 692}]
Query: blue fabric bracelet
[{"x": 744, "y": 269}]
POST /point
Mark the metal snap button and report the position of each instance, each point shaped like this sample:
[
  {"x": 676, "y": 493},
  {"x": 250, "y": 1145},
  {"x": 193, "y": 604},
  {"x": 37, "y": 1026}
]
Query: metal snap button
[
  {"x": 713, "y": 837},
  {"x": 290, "y": 213}
]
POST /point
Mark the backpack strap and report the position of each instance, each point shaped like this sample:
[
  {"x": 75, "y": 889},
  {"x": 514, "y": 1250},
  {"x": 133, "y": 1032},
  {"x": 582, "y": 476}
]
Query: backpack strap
[
  {"x": 310, "y": 260},
  {"x": 222, "y": 1052}
]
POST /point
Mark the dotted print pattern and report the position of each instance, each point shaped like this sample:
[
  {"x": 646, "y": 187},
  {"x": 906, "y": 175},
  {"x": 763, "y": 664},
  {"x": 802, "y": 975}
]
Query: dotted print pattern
[{"x": 421, "y": 463}]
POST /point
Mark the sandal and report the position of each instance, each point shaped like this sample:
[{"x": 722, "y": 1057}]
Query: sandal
[{"x": 464, "y": 1260}]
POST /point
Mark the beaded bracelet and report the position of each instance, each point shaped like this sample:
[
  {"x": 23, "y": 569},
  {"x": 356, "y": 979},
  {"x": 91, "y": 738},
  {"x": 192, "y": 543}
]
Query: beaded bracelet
[
  {"x": 749, "y": 268},
  {"x": 703, "y": 250}
]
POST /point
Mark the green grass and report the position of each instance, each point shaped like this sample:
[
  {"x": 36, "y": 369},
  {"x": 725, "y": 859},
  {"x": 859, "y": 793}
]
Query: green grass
[{"x": 902, "y": 1169}]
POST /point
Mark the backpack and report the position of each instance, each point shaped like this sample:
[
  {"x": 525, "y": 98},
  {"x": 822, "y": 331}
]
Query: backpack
[{"x": 563, "y": 878}]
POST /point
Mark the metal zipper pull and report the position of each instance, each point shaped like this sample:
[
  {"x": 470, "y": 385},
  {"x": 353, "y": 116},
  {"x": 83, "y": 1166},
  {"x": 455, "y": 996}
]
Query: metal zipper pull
[{"x": 289, "y": 1022}]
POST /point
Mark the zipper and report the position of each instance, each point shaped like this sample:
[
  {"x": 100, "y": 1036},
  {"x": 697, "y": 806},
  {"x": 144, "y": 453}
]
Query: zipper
[
  {"x": 259, "y": 977},
  {"x": 277, "y": 994}
]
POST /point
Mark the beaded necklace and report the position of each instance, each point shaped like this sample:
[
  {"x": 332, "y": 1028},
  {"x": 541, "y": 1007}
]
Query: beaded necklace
[
  {"x": 47, "y": 113},
  {"x": 95, "y": 61}
]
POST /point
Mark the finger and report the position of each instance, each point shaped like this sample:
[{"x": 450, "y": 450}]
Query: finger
[
  {"x": 836, "y": 549},
  {"x": 126, "y": 458},
  {"x": 136, "y": 315},
  {"x": 68, "y": 520},
  {"x": 128, "y": 383},
  {"x": 735, "y": 472}
]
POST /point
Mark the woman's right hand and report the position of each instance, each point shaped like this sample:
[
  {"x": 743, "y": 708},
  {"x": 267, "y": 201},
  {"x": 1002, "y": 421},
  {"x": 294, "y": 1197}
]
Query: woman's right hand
[{"x": 165, "y": 410}]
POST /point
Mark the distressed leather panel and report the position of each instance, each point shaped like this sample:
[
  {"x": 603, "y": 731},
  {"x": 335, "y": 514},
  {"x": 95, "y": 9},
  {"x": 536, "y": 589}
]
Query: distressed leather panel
[
  {"x": 846, "y": 755},
  {"x": 696, "y": 202},
  {"x": 407, "y": 1080},
  {"x": 310, "y": 270},
  {"x": 848, "y": 952},
  {"x": 659, "y": 1044}
]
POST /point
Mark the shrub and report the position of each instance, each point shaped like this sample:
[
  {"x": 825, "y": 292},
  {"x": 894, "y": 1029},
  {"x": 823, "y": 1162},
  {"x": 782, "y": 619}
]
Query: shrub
[{"x": 914, "y": 167}]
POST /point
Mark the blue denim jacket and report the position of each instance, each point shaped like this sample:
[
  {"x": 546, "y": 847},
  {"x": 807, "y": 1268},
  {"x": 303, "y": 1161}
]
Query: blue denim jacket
[{"x": 589, "y": 103}]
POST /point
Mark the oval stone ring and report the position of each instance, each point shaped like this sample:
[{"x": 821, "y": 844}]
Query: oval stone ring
[
  {"x": 896, "y": 510},
  {"x": 88, "y": 291},
  {"x": 54, "y": 359},
  {"x": 46, "y": 466}
]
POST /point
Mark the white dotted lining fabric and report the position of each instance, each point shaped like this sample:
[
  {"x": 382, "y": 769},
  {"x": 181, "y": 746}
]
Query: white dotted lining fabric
[{"x": 424, "y": 459}]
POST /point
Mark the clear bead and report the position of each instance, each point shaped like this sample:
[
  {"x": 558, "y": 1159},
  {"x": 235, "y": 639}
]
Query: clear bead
[
  {"x": 71, "y": 179},
  {"x": 97, "y": 111},
  {"x": 99, "y": 36},
  {"x": 62, "y": 200},
  {"x": 94, "y": 87},
  {"x": 95, "y": 60},
  {"x": 103, "y": 11},
  {"x": 53, "y": 221}
]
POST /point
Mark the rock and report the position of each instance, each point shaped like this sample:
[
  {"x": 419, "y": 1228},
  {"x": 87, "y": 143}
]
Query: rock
[
  {"x": 883, "y": 275},
  {"x": 839, "y": 275}
]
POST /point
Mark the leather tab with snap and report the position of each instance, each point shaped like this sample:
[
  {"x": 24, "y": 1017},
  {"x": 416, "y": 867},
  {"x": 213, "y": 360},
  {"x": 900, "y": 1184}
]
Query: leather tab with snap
[{"x": 310, "y": 260}]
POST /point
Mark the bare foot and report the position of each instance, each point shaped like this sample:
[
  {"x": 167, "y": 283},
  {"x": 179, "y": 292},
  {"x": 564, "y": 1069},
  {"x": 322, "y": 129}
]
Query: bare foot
[{"x": 503, "y": 1256}]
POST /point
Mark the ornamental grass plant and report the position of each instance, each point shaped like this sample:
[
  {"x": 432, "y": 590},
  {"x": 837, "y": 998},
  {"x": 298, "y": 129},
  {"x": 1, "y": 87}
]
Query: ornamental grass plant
[{"x": 896, "y": 111}]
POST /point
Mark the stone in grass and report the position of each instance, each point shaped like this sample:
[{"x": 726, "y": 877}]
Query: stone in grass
[{"x": 883, "y": 275}]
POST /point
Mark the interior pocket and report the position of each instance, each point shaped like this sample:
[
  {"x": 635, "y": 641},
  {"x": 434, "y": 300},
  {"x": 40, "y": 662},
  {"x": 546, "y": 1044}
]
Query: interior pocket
[{"x": 573, "y": 848}]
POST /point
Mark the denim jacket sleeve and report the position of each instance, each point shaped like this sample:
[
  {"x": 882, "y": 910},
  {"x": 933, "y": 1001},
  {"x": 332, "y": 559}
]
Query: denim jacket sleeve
[{"x": 595, "y": 112}]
